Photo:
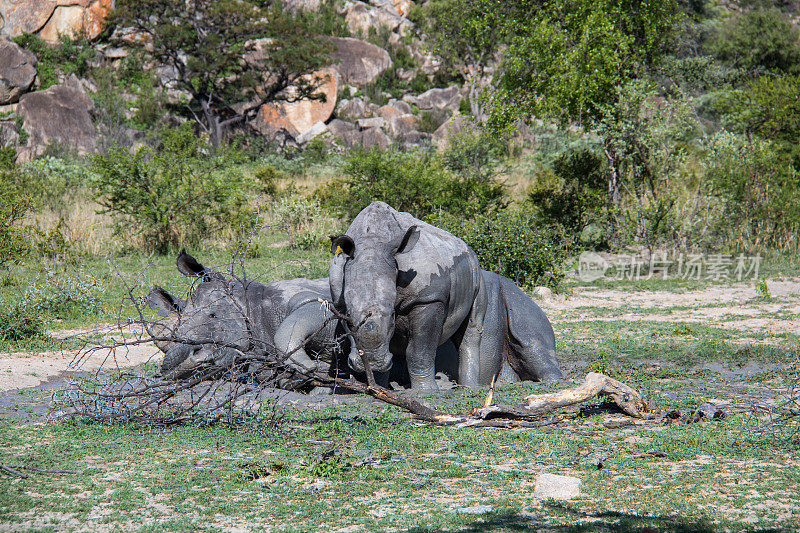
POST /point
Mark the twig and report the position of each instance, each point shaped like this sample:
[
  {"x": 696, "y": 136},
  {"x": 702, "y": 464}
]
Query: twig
[{"x": 14, "y": 470}]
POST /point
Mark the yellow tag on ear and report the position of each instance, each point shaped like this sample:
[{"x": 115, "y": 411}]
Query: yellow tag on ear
[{"x": 338, "y": 250}]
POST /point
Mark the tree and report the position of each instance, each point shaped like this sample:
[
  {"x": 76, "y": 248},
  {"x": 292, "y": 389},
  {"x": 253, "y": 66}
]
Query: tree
[
  {"x": 466, "y": 35},
  {"x": 176, "y": 195},
  {"x": 768, "y": 108},
  {"x": 758, "y": 40},
  {"x": 231, "y": 56},
  {"x": 568, "y": 58}
]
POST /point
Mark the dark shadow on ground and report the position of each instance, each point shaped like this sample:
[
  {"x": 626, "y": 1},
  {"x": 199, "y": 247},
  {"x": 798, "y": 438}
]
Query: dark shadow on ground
[{"x": 607, "y": 521}]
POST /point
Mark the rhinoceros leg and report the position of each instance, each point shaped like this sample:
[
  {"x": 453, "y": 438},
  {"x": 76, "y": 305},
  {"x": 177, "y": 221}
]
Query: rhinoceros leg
[
  {"x": 469, "y": 343},
  {"x": 530, "y": 335},
  {"x": 425, "y": 323},
  {"x": 494, "y": 341},
  {"x": 299, "y": 326}
]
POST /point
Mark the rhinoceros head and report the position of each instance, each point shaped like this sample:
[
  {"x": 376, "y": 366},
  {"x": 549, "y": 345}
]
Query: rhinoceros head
[
  {"x": 210, "y": 326},
  {"x": 363, "y": 279}
]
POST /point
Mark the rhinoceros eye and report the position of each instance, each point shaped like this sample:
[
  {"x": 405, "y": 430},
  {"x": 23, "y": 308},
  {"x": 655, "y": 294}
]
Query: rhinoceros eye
[{"x": 212, "y": 315}]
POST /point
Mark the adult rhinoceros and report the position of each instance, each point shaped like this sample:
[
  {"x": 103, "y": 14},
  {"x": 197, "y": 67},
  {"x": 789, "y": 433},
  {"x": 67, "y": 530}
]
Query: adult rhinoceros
[
  {"x": 223, "y": 318},
  {"x": 412, "y": 286}
]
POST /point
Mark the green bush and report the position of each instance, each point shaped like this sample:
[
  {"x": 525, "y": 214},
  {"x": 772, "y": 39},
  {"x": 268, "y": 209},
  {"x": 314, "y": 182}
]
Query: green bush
[
  {"x": 768, "y": 108},
  {"x": 473, "y": 153},
  {"x": 576, "y": 195},
  {"x": 20, "y": 323},
  {"x": 64, "y": 295},
  {"x": 419, "y": 183},
  {"x": 512, "y": 243},
  {"x": 15, "y": 203},
  {"x": 66, "y": 57},
  {"x": 172, "y": 196},
  {"x": 758, "y": 187},
  {"x": 296, "y": 217},
  {"x": 758, "y": 40},
  {"x": 55, "y": 182}
]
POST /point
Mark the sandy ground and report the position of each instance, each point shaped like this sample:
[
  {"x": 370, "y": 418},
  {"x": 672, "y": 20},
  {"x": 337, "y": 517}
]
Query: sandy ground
[
  {"x": 734, "y": 307},
  {"x": 29, "y": 369}
]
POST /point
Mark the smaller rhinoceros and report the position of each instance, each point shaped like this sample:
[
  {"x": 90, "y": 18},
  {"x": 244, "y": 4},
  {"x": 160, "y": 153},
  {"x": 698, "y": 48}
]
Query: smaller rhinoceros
[{"x": 223, "y": 319}]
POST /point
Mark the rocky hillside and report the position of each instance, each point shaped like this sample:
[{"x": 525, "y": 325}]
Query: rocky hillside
[{"x": 383, "y": 87}]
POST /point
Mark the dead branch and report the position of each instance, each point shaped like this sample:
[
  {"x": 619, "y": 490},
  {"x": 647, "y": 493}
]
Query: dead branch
[
  {"x": 595, "y": 385},
  {"x": 14, "y": 470}
]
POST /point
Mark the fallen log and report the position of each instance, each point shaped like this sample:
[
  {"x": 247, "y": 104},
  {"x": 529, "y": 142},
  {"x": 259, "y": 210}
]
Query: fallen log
[
  {"x": 507, "y": 416},
  {"x": 595, "y": 385}
]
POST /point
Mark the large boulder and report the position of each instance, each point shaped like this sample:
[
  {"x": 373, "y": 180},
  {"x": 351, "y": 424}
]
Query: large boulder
[
  {"x": 59, "y": 115},
  {"x": 453, "y": 126},
  {"x": 303, "y": 114},
  {"x": 358, "y": 62},
  {"x": 449, "y": 98},
  {"x": 401, "y": 106},
  {"x": 361, "y": 18},
  {"x": 403, "y": 124},
  {"x": 354, "y": 108},
  {"x": 17, "y": 71},
  {"x": 48, "y": 18},
  {"x": 339, "y": 128},
  {"x": 301, "y": 5},
  {"x": 272, "y": 121},
  {"x": 374, "y": 137},
  {"x": 315, "y": 131},
  {"x": 401, "y": 7},
  {"x": 387, "y": 112},
  {"x": 298, "y": 118},
  {"x": 367, "y": 123},
  {"x": 350, "y": 136}
]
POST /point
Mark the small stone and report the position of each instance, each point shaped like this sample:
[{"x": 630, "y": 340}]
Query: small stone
[
  {"x": 557, "y": 487},
  {"x": 542, "y": 293},
  {"x": 475, "y": 509}
]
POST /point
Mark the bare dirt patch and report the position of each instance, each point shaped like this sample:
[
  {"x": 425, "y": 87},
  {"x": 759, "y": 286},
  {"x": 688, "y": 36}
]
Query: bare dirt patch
[
  {"x": 734, "y": 306},
  {"x": 28, "y": 369}
]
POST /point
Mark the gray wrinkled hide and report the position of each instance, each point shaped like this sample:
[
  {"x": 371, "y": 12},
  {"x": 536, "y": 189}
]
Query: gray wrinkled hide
[
  {"x": 223, "y": 318},
  {"x": 413, "y": 286}
]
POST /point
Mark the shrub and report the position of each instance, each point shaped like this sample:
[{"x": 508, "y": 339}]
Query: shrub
[
  {"x": 56, "y": 182},
  {"x": 758, "y": 40},
  {"x": 296, "y": 216},
  {"x": 473, "y": 153},
  {"x": 576, "y": 195},
  {"x": 170, "y": 197},
  {"x": 768, "y": 108},
  {"x": 758, "y": 187},
  {"x": 20, "y": 323},
  {"x": 64, "y": 295},
  {"x": 66, "y": 57},
  {"x": 512, "y": 243},
  {"x": 415, "y": 182},
  {"x": 15, "y": 203}
]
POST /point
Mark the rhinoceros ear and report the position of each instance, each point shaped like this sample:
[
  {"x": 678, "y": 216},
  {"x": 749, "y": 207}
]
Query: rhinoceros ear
[
  {"x": 164, "y": 302},
  {"x": 409, "y": 240},
  {"x": 189, "y": 266},
  {"x": 342, "y": 244}
]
